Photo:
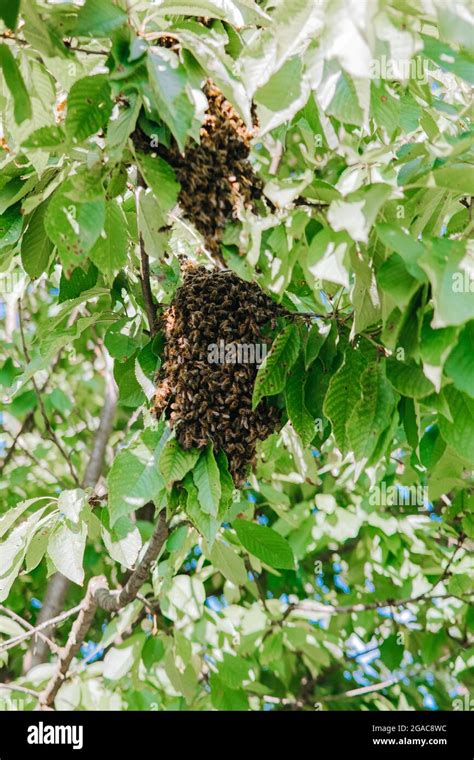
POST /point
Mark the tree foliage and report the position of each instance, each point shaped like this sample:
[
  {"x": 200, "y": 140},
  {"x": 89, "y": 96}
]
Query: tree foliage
[{"x": 343, "y": 563}]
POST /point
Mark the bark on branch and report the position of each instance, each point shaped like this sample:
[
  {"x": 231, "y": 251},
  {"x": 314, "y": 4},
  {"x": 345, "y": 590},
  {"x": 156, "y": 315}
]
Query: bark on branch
[
  {"x": 98, "y": 595},
  {"x": 115, "y": 600}
]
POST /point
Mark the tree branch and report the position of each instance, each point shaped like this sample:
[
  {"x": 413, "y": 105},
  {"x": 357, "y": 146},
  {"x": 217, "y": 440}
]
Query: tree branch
[
  {"x": 58, "y": 585},
  {"x": 21, "y": 689},
  {"x": 21, "y": 621},
  {"x": 115, "y": 600},
  {"x": 40, "y": 627},
  {"x": 98, "y": 595},
  {"x": 150, "y": 305},
  {"x": 76, "y": 637}
]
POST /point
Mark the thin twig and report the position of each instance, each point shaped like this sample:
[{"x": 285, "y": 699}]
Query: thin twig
[
  {"x": 150, "y": 305},
  {"x": 40, "y": 627},
  {"x": 21, "y": 689},
  {"x": 21, "y": 621}
]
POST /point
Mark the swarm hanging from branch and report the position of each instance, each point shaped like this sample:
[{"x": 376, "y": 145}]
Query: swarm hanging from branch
[
  {"x": 215, "y": 175},
  {"x": 207, "y": 401}
]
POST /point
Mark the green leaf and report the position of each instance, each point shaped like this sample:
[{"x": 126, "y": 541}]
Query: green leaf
[
  {"x": 9, "y": 10},
  {"x": 372, "y": 413},
  {"x": 45, "y": 137},
  {"x": 161, "y": 178},
  {"x": 448, "y": 59},
  {"x": 89, "y": 106},
  {"x": 109, "y": 253},
  {"x": 124, "y": 542},
  {"x": 232, "y": 567},
  {"x": 327, "y": 257},
  {"x": 364, "y": 296},
  {"x": 449, "y": 266},
  {"x": 10, "y": 517},
  {"x": 233, "y": 670},
  {"x": 11, "y": 223},
  {"x": 274, "y": 369},
  {"x": 344, "y": 392},
  {"x": 408, "y": 378},
  {"x": 40, "y": 32},
  {"x": 71, "y": 503},
  {"x": 175, "y": 462},
  {"x": 433, "y": 646},
  {"x": 16, "y": 85},
  {"x": 393, "y": 277},
  {"x": 407, "y": 248},
  {"x": 460, "y": 364},
  {"x": 99, "y": 18},
  {"x": 460, "y": 433},
  {"x": 314, "y": 343},
  {"x": 206, "y": 476},
  {"x": 66, "y": 549},
  {"x": 391, "y": 652},
  {"x": 185, "y": 598},
  {"x": 236, "y": 12},
  {"x": 152, "y": 652},
  {"x": 300, "y": 417},
  {"x": 204, "y": 523},
  {"x": 37, "y": 548},
  {"x": 223, "y": 698},
  {"x": 74, "y": 227},
  {"x": 168, "y": 84},
  {"x": 134, "y": 478},
  {"x": 36, "y": 247},
  {"x": 265, "y": 543}
]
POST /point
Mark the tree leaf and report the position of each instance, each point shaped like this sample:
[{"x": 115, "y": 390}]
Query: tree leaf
[
  {"x": 16, "y": 85},
  {"x": 300, "y": 417},
  {"x": 408, "y": 378},
  {"x": 344, "y": 392},
  {"x": 232, "y": 567},
  {"x": 175, "y": 462},
  {"x": 372, "y": 413},
  {"x": 206, "y": 477},
  {"x": 109, "y": 252},
  {"x": 99, "y": 18},
  {"x": 168, "y": 80},
  {"x": 274, "y": 369},
  {"x": 66, "y": 549},
  {"x": 134, "y": 478},
  {"x": 124, "y": 542},
  {"x": 74, "y": 227},
  {"x": 36, "y": 247},
  {"x": 460, "y": 363},
  {"x": 265, "y": 543},
  {"x": 161, "y": 178},
  {"x": 89, "y": 106}
]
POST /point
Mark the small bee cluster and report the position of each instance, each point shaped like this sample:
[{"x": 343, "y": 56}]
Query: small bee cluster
[
  {"x": 208, "y": 402},
  {"x": 215, "y": 175}
]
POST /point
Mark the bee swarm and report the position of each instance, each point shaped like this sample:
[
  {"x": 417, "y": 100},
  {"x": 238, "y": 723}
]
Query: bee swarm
[
  {"x": 215, "y": 175},
  {"x": 212, "y": 402}
]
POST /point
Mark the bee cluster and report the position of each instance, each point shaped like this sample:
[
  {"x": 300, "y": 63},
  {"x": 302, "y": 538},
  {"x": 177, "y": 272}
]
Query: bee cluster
[
  {"x": 208, "y": 402},
  {"x": 215, "y": 175}
]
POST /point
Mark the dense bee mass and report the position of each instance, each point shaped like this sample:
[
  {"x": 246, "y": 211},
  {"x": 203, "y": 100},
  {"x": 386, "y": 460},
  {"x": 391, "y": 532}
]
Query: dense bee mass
[
  {"x": 207, "y": 400},
  {"x": 215, "y": 175}
]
